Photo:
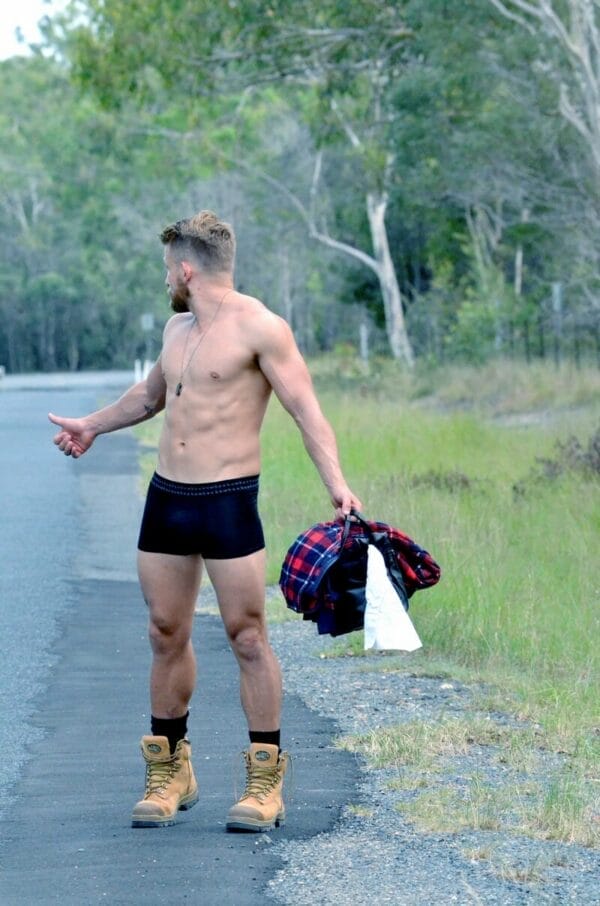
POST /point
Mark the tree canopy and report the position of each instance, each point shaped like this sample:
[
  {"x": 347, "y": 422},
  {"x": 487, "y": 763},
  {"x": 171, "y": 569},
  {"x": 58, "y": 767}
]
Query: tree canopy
[{"x": 427, "y": 170}]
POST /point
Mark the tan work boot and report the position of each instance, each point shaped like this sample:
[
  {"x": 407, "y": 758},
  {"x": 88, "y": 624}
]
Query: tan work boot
[
  {"x": 261, "y": 806},
  {"x": 170, "y": 783}
]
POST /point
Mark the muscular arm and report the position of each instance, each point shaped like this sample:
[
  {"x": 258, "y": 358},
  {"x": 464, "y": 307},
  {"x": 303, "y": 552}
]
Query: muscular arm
[
  {"x": 137, "y": 404},
  {"x": 285, "y": 369}
]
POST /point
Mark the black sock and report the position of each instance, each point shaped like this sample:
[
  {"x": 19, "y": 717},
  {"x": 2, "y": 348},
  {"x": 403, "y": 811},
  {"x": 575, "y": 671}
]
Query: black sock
[
  {"x": 174, "y": 728},
  {"x": 269, "y": 738}
]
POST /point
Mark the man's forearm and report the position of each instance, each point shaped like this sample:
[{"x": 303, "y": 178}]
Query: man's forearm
[
  {"x": 321, "y": 446},
  {"x": 133, "y": 407}
]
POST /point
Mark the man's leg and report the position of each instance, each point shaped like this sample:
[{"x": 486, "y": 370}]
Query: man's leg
[
  {"x": 240, "y": 587},
  {"x": 170, "y": 587}
]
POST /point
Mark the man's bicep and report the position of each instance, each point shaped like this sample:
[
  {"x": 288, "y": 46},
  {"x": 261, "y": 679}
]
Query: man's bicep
[{"x": 286, "y": 371}]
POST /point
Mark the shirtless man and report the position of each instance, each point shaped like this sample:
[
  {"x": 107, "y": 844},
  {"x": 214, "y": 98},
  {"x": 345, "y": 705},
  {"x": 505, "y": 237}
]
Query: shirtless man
[{"x": 223, "y": 353}]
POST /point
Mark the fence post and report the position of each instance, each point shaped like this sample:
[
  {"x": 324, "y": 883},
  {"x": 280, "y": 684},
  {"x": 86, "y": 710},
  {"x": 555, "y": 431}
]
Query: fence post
[{"x": 557, "y": 320}]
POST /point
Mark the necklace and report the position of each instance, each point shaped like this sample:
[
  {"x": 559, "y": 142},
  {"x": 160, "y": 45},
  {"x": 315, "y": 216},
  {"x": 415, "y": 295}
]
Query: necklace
[{"x": 179, "y": 386}]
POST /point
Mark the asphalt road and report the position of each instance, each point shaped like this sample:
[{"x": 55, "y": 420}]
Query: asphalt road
[{"x": 73, "y": 700}]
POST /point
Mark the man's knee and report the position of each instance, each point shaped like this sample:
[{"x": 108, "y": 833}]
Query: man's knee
[
  {"x": 167, "y": 636},
  {"x": 249, "y": 642}
]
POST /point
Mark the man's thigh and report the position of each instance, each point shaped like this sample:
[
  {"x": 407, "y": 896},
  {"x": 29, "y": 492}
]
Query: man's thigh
[
  {"x": 170, "y": 585},
  {"x": 239, "y": 584}
]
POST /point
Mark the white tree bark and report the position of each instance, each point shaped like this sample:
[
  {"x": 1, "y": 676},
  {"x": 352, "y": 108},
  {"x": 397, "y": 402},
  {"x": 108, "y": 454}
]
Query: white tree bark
[{"x": 390, "y": 290}]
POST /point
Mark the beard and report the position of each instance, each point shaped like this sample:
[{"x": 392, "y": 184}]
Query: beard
[{"x": 180, "y": 297}]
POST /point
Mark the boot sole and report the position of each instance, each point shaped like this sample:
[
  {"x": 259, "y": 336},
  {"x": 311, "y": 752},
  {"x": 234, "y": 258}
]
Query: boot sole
[
  {"x": 255, "y": 825},
  {"x": 184, "y": 806}
]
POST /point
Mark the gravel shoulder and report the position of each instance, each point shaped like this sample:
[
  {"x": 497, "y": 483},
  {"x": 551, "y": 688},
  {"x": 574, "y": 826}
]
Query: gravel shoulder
[{"x": 375, "y": 854}]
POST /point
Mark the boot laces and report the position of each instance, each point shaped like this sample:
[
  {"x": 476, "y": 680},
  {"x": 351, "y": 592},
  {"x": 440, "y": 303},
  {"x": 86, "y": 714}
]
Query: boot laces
[
  {"x": 260, "y": 780},
  {"x": 160, "y": 773}
]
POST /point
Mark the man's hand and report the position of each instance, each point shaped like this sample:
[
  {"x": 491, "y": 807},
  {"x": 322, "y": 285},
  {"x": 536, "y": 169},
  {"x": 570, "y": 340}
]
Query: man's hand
[
  {"x": 344, "y": 500},
  {"x": 75, "y": 435}
]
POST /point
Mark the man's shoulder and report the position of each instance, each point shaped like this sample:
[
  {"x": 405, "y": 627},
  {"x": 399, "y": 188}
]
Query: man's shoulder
[
  {"x": 251, "y": 306},
  {"x": 175, "y": 320},
  {"x": 259, "y": 321}
]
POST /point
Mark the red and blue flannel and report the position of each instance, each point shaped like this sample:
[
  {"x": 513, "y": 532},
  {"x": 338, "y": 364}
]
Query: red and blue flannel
[{"x": 316, "y": 550}]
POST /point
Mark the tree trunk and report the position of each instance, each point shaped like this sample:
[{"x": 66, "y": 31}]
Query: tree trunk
[{"x": 390, "y": 290}]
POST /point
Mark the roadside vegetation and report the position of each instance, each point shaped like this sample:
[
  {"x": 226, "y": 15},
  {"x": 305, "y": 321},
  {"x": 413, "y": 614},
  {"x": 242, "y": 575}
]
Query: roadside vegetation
[{"x": 496, "y": 471}]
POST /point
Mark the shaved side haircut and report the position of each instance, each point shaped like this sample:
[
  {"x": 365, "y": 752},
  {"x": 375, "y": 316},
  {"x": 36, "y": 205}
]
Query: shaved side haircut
[{"x": 210, "y": 241}]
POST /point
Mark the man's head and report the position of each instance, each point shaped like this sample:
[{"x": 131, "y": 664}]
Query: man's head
[{"x": 203, "y": 243}]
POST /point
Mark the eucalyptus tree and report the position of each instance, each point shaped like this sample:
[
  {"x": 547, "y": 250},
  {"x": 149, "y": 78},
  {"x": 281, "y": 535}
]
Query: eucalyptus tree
[{"x": 566, "y": 40}]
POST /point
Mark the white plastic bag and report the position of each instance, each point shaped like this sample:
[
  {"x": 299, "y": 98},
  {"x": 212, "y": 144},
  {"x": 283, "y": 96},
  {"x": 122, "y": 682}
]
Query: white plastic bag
[{"x": 387, "y": 624}]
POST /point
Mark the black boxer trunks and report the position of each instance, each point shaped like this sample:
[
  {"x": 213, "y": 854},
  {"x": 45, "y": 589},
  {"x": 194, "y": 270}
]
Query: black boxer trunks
[{"x": 218, "y": 519}]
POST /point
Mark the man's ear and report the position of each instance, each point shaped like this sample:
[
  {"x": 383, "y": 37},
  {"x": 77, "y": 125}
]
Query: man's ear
[{"x": 187, "y": 270}]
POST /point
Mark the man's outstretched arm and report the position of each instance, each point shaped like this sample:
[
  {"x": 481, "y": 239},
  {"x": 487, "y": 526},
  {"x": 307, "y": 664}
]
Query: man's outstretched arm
[
  {"x": 137, "y": 404},
  {"x": 285, "y": 369}
]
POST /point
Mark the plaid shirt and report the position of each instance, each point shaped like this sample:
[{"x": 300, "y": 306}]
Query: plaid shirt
[{"x": 316, "y": 550}]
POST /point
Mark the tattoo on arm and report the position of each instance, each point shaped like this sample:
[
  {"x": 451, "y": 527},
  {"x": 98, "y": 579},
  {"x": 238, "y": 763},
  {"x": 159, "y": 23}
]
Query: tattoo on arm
[{"x": 150, "y": 410}]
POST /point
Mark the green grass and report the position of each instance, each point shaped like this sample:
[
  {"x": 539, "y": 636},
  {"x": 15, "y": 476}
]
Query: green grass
[
  {"x": 500, "y": 388},
  {"x": 531, "y": 793}
]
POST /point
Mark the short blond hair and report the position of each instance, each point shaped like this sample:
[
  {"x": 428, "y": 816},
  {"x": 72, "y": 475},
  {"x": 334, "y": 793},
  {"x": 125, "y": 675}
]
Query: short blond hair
[{"x": 209, "y": 240}]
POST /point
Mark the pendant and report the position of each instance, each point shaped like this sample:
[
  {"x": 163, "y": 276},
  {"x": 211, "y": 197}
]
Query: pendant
[{"x": 178, "y": 389}]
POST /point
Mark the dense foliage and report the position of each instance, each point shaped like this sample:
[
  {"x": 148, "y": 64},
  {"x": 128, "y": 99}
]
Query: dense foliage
[{"x": 425, "y": 170}]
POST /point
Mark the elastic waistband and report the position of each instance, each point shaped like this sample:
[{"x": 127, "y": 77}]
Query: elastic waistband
[{"x": 207, "y": 489}]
